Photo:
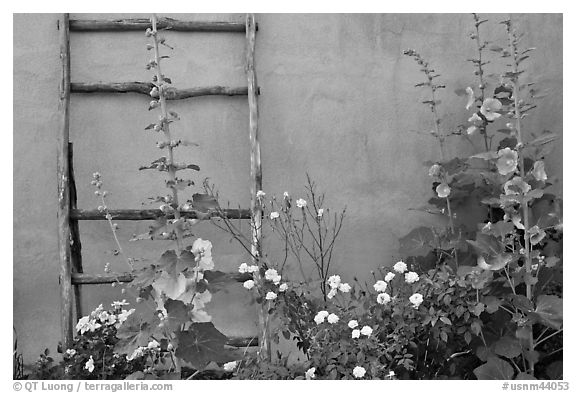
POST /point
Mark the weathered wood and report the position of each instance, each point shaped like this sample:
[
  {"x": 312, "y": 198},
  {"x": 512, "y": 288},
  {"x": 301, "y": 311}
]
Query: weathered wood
[
  {"x": 97, "y": 279},
  {"x": 255, "y": 173},
  {"x": 141, "y": 24},
  {"x": 62, "y": 171},
  {"x": 75, "y": 245},
  {"x": 172, "y": 93},
  {"x": 242, "y": 342},
  {"x": 152, "y": 214}
]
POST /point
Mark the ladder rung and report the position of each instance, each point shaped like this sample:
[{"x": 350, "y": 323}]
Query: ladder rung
[
  {"x": 144, "y": 88},
  {"x": 96, "y": 279},
  {"x": 163, "y": 23},
  {"x": 242, "y": 342},
  {"x": 152, "y": 214}
]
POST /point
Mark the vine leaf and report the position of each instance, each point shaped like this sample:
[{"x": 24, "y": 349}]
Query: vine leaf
[
  {"x": 177, "y": 313},
  {"x": 507, "y": 346},
  {"x": 201, "y": 344}
]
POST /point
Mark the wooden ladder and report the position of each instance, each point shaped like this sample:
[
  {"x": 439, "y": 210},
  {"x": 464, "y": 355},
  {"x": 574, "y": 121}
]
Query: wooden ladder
[{"x": 71, "y": 275}]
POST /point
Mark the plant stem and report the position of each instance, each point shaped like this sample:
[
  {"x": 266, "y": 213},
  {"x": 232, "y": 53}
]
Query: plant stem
[
  {"x": 482, "y": 86},
  {"x": 524, "y": 205},
  {"x": 166, "y": 128}
]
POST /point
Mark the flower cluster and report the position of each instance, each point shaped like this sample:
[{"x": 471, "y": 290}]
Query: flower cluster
[
  {"x": 100, "y": 317},
  {"x": 335, "y": 283}
]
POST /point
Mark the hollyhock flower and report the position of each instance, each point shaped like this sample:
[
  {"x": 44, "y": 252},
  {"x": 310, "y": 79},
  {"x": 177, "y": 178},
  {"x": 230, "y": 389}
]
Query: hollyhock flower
[
  {"x": 276, "y": 280},
  {"x": 416, "y": 300},
  {"x": 344, "y": 287},
  {"x": 471, "y": 98},
  {"x": 516, "y": 186},
  {"x": 490, "y": 108},
  {"x": 411, "y": 277},
  {"x": 434, "y": 170},
  {"x": 380, "y": 286},
  {"x": 356, "y": 333},
  {"x": 203, "y": 249},
  {"x": 260, "y": 194},
  {"x": 366, "y": 331},
  {"x": 301, "y": 203},
  {"x": 286, "y": 195},
  {"x": 538, "y": 171},
  {"x": 274, "y": 215},
  {"x": 507, "y": 161},
  {"x": 243, "y": 268},
  {"x": 400, "y": 267},
  {"x": 389, "y": 276},
  {"x": 383, "y": 298},
  {"x": 253, "y": 268},
  {"x": 271, "y": 296},
  {"x": 353, "y": 324},
  {"x": 230, "y": 366},
  {"x": 320, "y": 213},
  {"x": 119, "y": 304},
  {"x": 359, "y": 372},
  {"x": 333, "y": 318},
  {"x": 321, "y": 316},
  {"x": 248, "y": 284},
  {"x": 154, "y": 345},
  {"x": 475, "y": 119},
  {"x": 443, "y": 190},
  {"x": 283, "y": 287},
  {"x": 70, "y": 352},
  {"x": 332, "y": 293},
  {"x": 310, "y": 373}
]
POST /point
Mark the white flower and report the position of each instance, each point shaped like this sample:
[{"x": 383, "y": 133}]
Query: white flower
[
  {"x": 434, "y": 170},
  {"x": 383, "y": 298},
  {"x": 243, "y": 268},
  {"x": 260, "y": 194},
  {"x": 136, "y": 354},
  {"x": 276, "y": 280},
  {"x": 443, "y": 190},
  {"x": 286, "y": 195},
  {"x": 271, "y": 296},
  {"x": 411, "y": 277},
  {"x": 389, "y": 276},
  {"x": 230, "y": 366},
  {"x": 249, "y": 284},
  {"x": 332, "y": 293},
  {"x": 85, "y": 324},
  {"x": 310, "y": 373},
  {"x": 380, "y": 286},
  {"x": 89, "y": 364},
  {"x": 253, "y": 268},
  {"x": 416, "y": 300},
  {"x": 353, "y": 324},
  {"x": 391, "y": 374},
  {"x": 283, "y": 287},
  {"x": 154, "y": 345},
  {"x": 359, "y": 371},
  {"x": 345, "y": 287},
  {"x": 489, "y": 108},
  {"x": 203, "y": 249},
  {"x": 333, "y": 318},
  {"x": 471, "y": 97},
  {"x": 118, "y": 304},
  {"x": 301, "y": 203},
  {"x": 321, "y": 316},
  {"x": 400, "y": 267},
  {"x": 320, "y": 213},
  {"x": 539, "y": 172},
  {"x": 123, "y": 316},
  {"x": 270, "y": 274},
  {"x": 356, "y": 333},
  {"x": 274, "y": 215},
  {"x": 366, "y": 330},
  {"x": 70, "y": 352},
  {"x": 334, "y": 281}
]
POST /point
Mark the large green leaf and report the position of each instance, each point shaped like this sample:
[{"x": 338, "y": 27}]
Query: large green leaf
[
  {"x": 204, "y": 202},
  {"x": 201, "y": 344},
  {"x": 419, "y": 242},
  {"x": 507, "y": 346},
  {"x": 549, "y": 311},
  {"x": 133, "y": 333},
  {"x": 177, "y": 314},
  {"x": 495, "y": 368}
]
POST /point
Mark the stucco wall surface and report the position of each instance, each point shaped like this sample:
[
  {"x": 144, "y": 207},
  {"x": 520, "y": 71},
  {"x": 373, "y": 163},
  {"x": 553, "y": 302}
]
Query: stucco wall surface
[{"x": 338, "y": 101}]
